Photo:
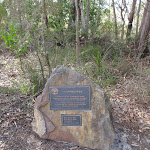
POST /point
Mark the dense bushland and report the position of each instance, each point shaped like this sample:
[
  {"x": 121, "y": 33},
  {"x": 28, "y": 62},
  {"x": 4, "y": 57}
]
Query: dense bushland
[{"x": 85, "y": 35}]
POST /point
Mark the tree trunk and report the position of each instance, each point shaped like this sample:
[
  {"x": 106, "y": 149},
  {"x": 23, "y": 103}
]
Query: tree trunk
[
  {"x": 143, "y": 18},
  {"x": 40, "y": 62},
  {"x": 138, "y": 13},
  {"x": 131, "y": 16},
  {"x": 10, "y": 9},
  {"x": 122, "y": 32},
  {"x": 109, "y": 10},
  {"x": 77, "y": 28},
  {"x": 144, "y": 29},
  {"x": 87, "y": 19},
  {"x": 123, "y": 23},
  {"x": 82, "y": 15},
  {"x": 19, "y": 13},
  {"x": 45, "y": 24},
  {"x": 45, "y": 19},
  {"x": 98, "y": 18},
  {"x": 71, "y": 14},
  {"x": 123, "y": 11},
  {"x": 115, "y": 19},
  {"x": 98, "y": 14}
]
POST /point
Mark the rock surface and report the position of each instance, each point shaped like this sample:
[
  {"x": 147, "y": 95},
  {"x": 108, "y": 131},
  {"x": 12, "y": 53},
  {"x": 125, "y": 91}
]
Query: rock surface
[{"x": 96, "y": 132}]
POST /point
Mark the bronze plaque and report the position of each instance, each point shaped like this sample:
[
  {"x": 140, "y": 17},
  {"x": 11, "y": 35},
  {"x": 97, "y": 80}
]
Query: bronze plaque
[
  {"x": 71, "y": 120},
  {"x": 70, "y": 97}
]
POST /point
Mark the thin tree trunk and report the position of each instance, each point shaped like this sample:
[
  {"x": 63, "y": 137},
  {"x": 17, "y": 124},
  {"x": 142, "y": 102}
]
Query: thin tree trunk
[
  {"x": 19, "y": 13},
  {"x": 10, "y": 9},
  {"x": 98, "y": 18},
  {"x": 115, "y": 19},
  {"x": 42, "y": 70},
  {"x": 138, "y": 13},
  {"x": 82, "y": 15},
  {"x": 98, "y": 15},
  {"x": 123, "y": 23},
  {"x": 45, "y": 19},
  {"x": 45, "y": 24},
  {"x": 87, "y": 18},
  {"x": 144, "y": 29},
  {"x": 109, "y": 10},
  {"x": 143, "y": 18},
  {"x": 35, "y": 46},
  {"x": 131, "y": 16},
  {"x": 123, "y": 11},
  {"x": 74, "y": 10},
  {"x": 77, "y": 28},
  {"x": 122, "y": 32},
  {"x": 21, "y": 63},
  {"x": 71, "y": 15}
]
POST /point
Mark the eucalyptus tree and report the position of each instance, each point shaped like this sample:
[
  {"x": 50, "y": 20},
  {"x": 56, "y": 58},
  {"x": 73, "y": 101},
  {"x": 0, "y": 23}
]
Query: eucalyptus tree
[
  {"x": 123, "y": 11},
  {"x": 144, "y": 29},
  {"x": 77, "y": 28},
  {"x": 115, "y": 19},
  {"x": 130, "y": 18},
  {"x": 138, "y": 14}
]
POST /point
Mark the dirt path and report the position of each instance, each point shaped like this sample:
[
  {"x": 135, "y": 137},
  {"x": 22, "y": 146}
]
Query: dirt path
[{"x": 131, "y": 118}]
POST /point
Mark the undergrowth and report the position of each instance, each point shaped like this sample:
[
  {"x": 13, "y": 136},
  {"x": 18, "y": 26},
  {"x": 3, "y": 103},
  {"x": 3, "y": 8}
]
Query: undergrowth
[
  {"x": 104, "y": 64},
  {"x": 6, "y": 90}
]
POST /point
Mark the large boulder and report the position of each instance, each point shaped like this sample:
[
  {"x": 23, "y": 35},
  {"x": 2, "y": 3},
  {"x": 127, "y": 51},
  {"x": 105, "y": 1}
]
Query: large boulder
[{"x": 95, "y": 131}]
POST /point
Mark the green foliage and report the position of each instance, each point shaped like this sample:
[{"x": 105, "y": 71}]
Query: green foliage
[
  {"x": 3, "y": 16},
  {"x": 3, "y": 11},
  {"x": 35, "y": 78},
  {"x": 106, "y": 76},
  {"x": 58, "y": 20},
  {"x": 29, "y": 7},
  {"x": 107, "y": 27},
  {"x": 93, "y": 10},
  {"x": 22, "y": 85},
  {"x": 29, "y": 83},
  {"x": 100, "y": 58},
  {"x": 59, "y": 56},
  {"x": 6, "y": 90},
  {"x": 16, "y": 41}
]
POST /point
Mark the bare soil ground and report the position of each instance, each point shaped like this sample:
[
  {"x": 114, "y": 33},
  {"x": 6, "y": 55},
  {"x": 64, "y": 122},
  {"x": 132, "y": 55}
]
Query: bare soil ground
[{"x": 131, "y": 118}]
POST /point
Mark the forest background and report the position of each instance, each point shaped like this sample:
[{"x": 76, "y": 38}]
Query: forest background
[
  {"x": 108, "y": 41},
  {"x": 97, "y": 35}
]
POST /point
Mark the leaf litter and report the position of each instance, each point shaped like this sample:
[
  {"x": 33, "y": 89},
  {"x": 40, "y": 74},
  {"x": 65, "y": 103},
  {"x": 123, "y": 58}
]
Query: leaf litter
[{"x": 131, "y": 117}]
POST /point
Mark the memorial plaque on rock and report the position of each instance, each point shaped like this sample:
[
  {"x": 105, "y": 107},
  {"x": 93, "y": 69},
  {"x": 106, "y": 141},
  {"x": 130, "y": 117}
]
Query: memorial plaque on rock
[
  {"x": 73, "y": 109},
  {"x": 70, "y": 97},
  {"x": 71, "y": 120}
]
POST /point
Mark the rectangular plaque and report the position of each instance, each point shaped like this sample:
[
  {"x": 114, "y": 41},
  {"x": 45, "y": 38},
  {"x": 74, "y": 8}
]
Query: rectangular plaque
[
  {"x": 71, "y": 120},
  {"x": 70, "y": 97}
]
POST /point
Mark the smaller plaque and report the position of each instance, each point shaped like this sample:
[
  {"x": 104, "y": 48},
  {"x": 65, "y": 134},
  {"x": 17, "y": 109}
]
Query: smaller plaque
[{"x": 71, "y": 120}]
